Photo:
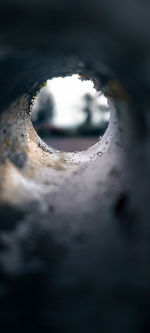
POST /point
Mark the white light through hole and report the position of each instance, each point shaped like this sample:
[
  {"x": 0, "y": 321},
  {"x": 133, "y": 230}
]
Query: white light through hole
[
  {"x": 68, "y": 93},
  {"x": 70, "y": 107}
]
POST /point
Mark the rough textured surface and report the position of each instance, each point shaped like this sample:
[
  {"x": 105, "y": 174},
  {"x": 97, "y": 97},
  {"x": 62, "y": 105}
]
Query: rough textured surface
[{"x": 75, "y": 236}]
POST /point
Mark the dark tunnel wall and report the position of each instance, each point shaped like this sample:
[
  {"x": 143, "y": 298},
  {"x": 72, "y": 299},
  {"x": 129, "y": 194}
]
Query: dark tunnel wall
[{"x": 74, "y": 228}]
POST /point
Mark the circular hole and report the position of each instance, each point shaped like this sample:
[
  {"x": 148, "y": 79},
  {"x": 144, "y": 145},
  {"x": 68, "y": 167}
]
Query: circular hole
[{"x": 69, "y": 113}]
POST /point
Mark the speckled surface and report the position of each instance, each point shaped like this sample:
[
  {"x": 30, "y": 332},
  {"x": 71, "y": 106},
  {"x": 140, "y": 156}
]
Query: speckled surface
[{"x": 74, "y": 228}]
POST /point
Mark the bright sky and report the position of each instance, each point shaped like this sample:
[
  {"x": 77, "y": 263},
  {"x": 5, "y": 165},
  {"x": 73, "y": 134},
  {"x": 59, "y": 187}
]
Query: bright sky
[{"x": 68, "y": 93}]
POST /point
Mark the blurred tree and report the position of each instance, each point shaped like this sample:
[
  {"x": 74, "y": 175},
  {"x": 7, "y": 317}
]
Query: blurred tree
[
  {"x": 45, "y": 108},
  {"x": 88, "y": 109}
]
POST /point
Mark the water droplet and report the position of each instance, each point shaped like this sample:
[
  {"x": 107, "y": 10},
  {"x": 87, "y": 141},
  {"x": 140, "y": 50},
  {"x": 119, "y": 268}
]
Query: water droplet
[{"x": 99, "y": 154}]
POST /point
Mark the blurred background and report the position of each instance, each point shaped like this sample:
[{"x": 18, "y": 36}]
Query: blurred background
[{"x": 69, "y": 113}]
